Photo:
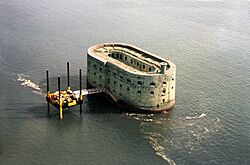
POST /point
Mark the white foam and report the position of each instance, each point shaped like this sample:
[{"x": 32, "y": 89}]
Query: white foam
[
  {"x": 196, "y": 117},
  {"x": 136, "y": 118},
  {"x": 202, "y": 115},
  {"x": 196, "y": 128},
  {"x": 206, "y": 130},
  {"x": 28, "y": 83},
  {"x": 188, "y": 117},
  {"x": 154, "y": 140},
  {"x": 217, "y": 119},
  {"x": 148, "y": 120}
]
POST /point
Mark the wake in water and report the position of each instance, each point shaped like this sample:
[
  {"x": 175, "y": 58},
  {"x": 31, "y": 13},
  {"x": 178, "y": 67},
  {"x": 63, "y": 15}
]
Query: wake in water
[
  {"x": 28, "y": 83},
  {"x": 184, "y": 134},
  {"x": 155, "y": 139}
]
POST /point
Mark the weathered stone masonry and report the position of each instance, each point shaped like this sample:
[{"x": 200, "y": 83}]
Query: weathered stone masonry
[{"x": 133, "y": 76}]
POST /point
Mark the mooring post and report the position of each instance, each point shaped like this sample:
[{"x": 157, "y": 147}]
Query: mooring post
[
  {"x": 48, "y": 103},
  {"x": 68, "y": 76},
  {"x": 60, "y": 103},
  {"x": 80, "y": 84}
]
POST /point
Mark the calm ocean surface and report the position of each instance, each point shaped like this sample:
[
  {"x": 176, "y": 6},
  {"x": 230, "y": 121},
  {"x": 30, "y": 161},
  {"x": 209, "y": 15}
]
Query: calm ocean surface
[{"x": 209, "y": 41}]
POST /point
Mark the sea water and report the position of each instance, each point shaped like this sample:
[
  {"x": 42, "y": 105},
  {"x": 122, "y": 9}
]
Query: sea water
[{"x": 209, "y": 41}]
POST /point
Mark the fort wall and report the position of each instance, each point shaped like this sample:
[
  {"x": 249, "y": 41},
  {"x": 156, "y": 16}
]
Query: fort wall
[{"x": 146, "y": 85}]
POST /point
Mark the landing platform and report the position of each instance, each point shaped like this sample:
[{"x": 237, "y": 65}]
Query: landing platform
[{"x": 68, "y": 98}]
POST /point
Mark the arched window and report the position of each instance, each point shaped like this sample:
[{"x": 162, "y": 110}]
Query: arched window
[{"x": 152, "y": 84}]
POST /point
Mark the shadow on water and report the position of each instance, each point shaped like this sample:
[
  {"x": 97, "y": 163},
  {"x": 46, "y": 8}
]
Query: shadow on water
[
  {"x": 98, "y": 104},
  {"x": 92, "y": 104}
]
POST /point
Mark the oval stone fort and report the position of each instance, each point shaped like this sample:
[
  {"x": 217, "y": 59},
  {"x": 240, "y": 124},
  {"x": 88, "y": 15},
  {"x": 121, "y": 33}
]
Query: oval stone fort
[{"x": 132, "y": 77}]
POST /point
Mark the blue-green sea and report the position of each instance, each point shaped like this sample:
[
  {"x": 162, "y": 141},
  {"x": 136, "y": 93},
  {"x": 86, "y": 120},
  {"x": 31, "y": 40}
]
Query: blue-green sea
[{"x": 208, "y": 40}]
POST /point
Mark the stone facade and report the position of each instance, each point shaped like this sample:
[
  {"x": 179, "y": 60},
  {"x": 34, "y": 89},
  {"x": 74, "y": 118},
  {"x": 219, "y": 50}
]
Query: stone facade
[{"x": 132, "y": 76}]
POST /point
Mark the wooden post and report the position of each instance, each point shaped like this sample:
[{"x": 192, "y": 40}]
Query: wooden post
[
  {"x": 68, "y": 76},
  {"x": 80, "y": 84},
  {"x": 60, "y": 103},
  {"x": 48, "y": 103}
]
